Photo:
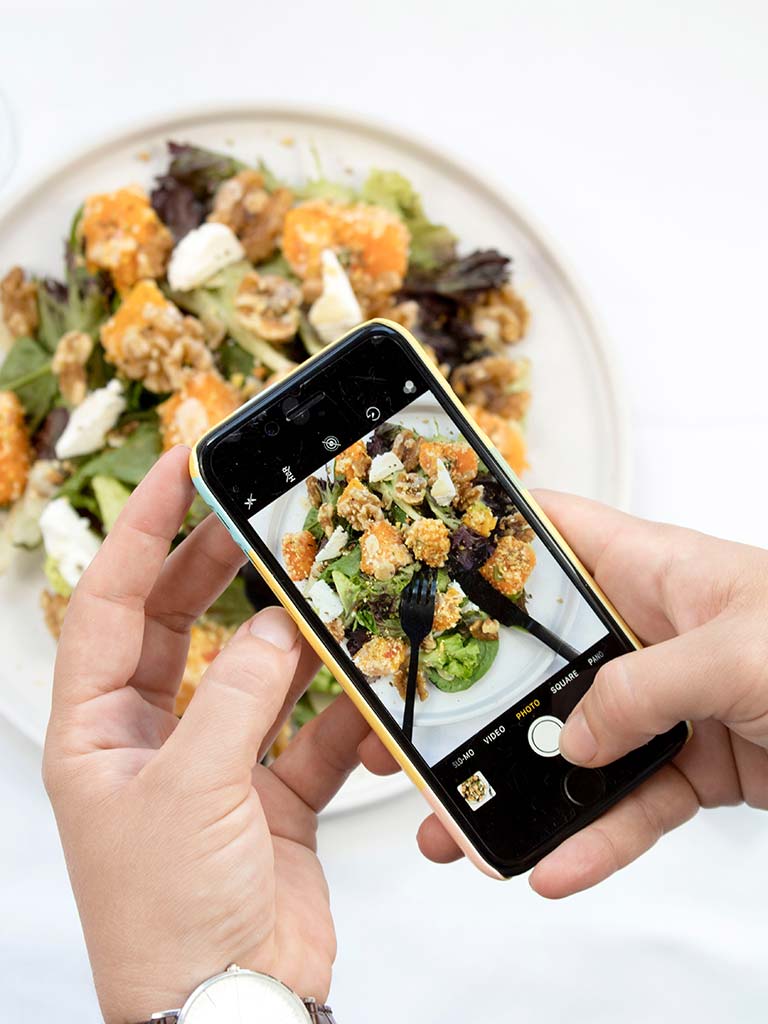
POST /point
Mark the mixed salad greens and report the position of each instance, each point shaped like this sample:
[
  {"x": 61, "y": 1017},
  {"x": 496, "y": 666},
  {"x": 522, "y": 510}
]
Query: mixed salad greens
[
  {"x": 386, "y": 508},
  {"x": 175, "y": 305}
]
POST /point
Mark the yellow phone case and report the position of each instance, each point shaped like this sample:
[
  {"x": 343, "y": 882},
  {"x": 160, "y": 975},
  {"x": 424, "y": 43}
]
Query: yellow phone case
[{"x": 327, "y": 655}]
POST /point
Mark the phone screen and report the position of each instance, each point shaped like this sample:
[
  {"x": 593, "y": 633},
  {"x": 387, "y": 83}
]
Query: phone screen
[{"x": 366, "y": 477}]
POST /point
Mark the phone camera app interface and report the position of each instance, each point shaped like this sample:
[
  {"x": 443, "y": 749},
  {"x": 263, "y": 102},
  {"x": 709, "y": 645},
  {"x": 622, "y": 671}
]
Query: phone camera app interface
[{"x": 404, "y": 541}]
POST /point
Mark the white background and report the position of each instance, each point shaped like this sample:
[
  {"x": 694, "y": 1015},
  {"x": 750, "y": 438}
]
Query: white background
[{"x": 636, "y": 133}]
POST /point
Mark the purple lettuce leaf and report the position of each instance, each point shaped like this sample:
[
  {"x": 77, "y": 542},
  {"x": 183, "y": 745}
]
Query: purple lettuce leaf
[{"x": 469, "y": 550}]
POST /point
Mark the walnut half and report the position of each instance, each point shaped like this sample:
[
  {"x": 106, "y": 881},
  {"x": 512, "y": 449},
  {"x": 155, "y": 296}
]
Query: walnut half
[{"x": 72, "y": 353}]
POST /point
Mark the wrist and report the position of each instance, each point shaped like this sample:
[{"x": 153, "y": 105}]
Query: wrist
[{"x": 131, "y": 1001}]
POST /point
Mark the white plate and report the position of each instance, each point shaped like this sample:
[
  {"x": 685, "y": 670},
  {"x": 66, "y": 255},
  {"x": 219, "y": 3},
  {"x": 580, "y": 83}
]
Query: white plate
[{"x": 576, "y": 425}]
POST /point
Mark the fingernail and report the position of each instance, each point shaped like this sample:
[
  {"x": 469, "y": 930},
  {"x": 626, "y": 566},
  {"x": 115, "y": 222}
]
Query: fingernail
[
  {"x": 276, "y": 627},
  {"x": 577, "y": 742}
]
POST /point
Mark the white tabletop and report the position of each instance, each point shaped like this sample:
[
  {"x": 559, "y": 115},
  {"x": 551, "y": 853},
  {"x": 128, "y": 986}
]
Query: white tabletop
[{"x": 636, "y": 134}]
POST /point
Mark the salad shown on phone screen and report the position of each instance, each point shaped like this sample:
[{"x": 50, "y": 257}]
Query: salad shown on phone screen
[{"x": 380, "y": 512}]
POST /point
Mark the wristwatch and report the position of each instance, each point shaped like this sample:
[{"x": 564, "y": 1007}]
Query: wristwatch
[{"x": 239, "y": 996}]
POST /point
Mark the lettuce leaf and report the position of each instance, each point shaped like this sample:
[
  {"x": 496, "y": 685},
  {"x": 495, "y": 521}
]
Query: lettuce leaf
[
  {"x": 129, "y": 464},
  {"x": 431, "y": 244},
  {"x": 324, "y": 188},
  {"x": 27, "y": 371},
  {"x": 111, "y": 497},
  {"x": 347, "y": 589},
  {"x": 348, "y": 563},
  {"x": 82, "y": 302},
  {"x": 182, "y": 197},
  {"x": 312, "y": 526},
  {"x": 457, "y": 662}
]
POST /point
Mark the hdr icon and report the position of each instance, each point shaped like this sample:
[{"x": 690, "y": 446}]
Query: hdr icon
[{"x": 288, "y": 474}]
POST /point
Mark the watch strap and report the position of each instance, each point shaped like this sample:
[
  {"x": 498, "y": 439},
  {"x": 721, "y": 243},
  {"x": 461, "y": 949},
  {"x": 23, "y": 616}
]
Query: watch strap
[{"x": 319, "y": 1013}]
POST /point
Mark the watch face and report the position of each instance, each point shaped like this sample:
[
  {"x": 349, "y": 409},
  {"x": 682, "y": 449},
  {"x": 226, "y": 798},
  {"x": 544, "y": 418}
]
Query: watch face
[{"x": 243, "y": 997}]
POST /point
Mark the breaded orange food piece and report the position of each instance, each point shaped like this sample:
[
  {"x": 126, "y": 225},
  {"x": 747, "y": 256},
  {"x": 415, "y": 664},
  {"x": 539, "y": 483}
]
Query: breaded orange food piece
[
  {"x": 479, "y": 518},
  {"x": 202, "y": 401},
  {"x": 460, "y": 460},
  {"x": 206, "y": 640},
  {"x": 381, "y": 656},
  {"x": 447, "y": 609},
  {"x": 509, "y": 566},
  {"x": 383, "y": 551},
  {"x": 149, "y": 339},
  {"x": 15, "y": 448},
  {"x": 299, "y": 551},
  {"x": 429, "y": 540},
  {"x": 371, "y": 242},
  {"x": 124, "y": 236},
  {"x": 507, "y": 435},
  {"x": 354, "y": 462}
]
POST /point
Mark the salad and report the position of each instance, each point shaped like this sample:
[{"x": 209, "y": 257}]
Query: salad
[
  {"x": 177, "y": 303},
  {"x": 388, "y": 508}
]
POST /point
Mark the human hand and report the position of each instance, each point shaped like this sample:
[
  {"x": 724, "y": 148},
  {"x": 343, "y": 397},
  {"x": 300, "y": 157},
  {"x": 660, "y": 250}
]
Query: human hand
[
  {"x": 703, "y": 605},
  {"x": 186, "y": 854}
]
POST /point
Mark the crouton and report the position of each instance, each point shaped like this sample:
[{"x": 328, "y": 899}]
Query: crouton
[
  {"x": 458, "y": 457},
  {"x": 373, "y": 241},
  {"x": 149, "y": 339},
  {"x": 429, "y": 540},
  {"x": 383, "y": 551},
  {"x": 353, "y": 463},
  {"x": 299, "y": 551},
  {"x": 507, "y": 435},
  {"x": 509, "y": 566},
  {"x": 201, "y": 402},
  {"x": 447, "y": 609},
  {"x": 479, "y": 518},
  {"x": 15, "y": 448},
  {"x": 124, "y": 236},
  {"x": 381, "y": 656}
]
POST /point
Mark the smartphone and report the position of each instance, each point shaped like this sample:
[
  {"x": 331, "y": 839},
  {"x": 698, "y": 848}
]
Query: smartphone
[{"x": 361, "y": 474}]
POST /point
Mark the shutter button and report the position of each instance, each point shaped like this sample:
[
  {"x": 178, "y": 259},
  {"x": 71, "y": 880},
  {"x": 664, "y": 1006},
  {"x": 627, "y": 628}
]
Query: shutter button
[{"x": 544, "y": 735}]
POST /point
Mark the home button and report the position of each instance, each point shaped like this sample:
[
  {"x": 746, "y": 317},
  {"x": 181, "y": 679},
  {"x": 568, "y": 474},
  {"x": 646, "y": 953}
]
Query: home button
[{"x": 584, "y": 786}]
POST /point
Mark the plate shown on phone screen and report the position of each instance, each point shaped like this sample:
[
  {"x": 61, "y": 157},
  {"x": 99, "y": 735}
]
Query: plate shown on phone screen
[{"x": 576, "y": 429}]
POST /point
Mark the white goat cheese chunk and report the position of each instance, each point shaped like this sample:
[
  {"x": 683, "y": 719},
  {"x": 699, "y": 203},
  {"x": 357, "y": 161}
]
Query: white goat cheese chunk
[
  {"x": 325, "y": 601},
  {"x": 337, "y": 309},
  {"x": 68, "y": 539},
  {"x": 90, "y": 422},
  {"x": 442, "y": 489},
  {"x": 383, "y": 466},
  {"x": 336, "y": 544},
  {"x": 201, "y": 254}
]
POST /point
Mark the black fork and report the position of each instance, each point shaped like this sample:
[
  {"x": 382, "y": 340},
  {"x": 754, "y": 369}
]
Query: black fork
[{"x": 417, "y": 613}]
